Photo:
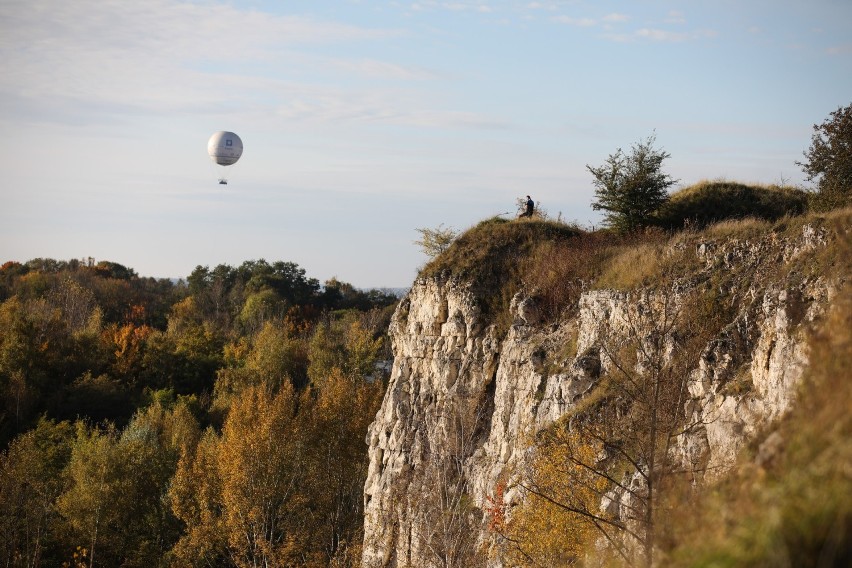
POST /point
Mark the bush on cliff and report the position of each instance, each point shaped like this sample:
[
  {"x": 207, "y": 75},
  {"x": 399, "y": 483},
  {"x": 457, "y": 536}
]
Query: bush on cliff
[{"x": 709, "y": 202}]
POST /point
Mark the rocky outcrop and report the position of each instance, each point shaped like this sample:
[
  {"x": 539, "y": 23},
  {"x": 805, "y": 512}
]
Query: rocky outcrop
[{"x": 465, "y": 399}]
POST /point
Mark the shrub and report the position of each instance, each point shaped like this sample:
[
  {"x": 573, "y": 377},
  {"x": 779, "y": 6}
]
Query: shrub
[
  {"x": 557, "y": 272},
  {"x": 709, "y": 202},
  {"x": 435, "y": 241}
]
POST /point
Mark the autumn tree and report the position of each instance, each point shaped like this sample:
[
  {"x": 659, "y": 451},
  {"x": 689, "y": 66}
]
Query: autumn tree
[
  {"x": 335, "y": 420},
  {"x": 184, "y": 357},
  {"x": 616, "y": 447},
  {"x": 41, "y": 356},
  {"x": 283, "y": 483},
  {"x": 336, "y": 410},
  {"x": 22, "y": 370},
  {"x": 237, "y": 492},
  {"x": 543, "y": 531},
  {"x": 275, "y": 355},
  {"x": 342, "y": 344},
  {"x": 278, "y": 476},
  {"x": 195, "y": 498},
  {"x": 94, "y": 505}
]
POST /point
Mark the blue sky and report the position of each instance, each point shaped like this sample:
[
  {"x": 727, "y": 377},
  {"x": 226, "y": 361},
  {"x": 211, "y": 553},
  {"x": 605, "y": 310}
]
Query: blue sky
[{"x": 364, "y": 120}]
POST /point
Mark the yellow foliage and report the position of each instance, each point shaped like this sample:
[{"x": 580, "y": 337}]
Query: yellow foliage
[
  {"x": 550, "y": 528},
  {"x": 343, "y": 345},
  {"x": 257, "y": 471},
  {"x": 276, "y": 355},
  {"x": 283, "y": 484},
  {"x": 195, "y": 499}
]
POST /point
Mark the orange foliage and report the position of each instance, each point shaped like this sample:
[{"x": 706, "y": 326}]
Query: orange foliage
[
  {"x": 496, "y": 509},
  {"x": 127, "y": 341}
]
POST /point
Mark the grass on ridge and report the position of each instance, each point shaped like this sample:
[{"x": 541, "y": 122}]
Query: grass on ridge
[{"x": 709, "y": 202}]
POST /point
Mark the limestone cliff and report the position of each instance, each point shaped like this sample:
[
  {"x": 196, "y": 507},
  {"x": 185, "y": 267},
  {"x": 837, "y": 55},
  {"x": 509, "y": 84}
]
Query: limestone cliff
[{"x": 466, "y": 397}]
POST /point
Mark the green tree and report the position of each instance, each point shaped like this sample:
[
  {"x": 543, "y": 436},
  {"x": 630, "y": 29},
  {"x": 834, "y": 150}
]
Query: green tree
[
  {"x": 40, "y": 357},
  {"x": 631, "y": 188},
  {"x": 185, "y": 357},
  {"x": 221, "y": 293},
  {"x": 115, "y": 505},
  {"x": 32, "y": 476},
  {"x": 152, "y": 444},
  {"x": 275, "y": 355},
  {"x": 94, "y": 504},
  {"x": 829, "y": 160},
  {"x": 261, "y": 307},
  {"x": 345, "y": 345},
  {"x": 338, "y": 295}
]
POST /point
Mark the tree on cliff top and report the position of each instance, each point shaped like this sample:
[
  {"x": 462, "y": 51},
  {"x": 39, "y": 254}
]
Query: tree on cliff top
[
  {"x": 829, "y": 160},
  {"x": 435, "y": 241},
  {"x": 630, "y": 188}
]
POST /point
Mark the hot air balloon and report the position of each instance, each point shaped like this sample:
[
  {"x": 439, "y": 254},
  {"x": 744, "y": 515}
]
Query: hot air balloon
[{"x": 225, "y": 148}]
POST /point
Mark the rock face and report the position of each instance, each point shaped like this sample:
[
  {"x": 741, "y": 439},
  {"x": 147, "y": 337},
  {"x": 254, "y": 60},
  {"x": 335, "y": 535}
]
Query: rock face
[{"x": 464, "y": 399}]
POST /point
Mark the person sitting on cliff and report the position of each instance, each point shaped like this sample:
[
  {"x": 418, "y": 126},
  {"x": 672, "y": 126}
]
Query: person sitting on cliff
[{"x": 530, "y": 207}]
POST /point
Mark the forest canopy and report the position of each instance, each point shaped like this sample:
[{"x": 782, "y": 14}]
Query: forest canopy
[{"x": 148, "y": 422}]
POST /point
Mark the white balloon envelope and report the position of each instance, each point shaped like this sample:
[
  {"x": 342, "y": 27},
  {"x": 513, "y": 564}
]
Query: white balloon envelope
[{"x": 225, "y": 148}]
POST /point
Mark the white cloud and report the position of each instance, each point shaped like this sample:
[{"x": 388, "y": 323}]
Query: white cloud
[
  {"x": 675, "y": 17},
  {"x": 184, "y": 28},
  {"x": 579, "y": 22},
  {"x": 327, "y": 105},
  {"x": 663, "y": 36},
  {"x": 616, "y": 17},
  {"x": 660, "y": 35},
  {"x": 459, "y": 6},
  {"x": 98, "y": 57}
]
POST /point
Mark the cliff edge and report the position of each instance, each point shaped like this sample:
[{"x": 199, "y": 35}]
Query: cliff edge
[{"x": 484, "y": 363}]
